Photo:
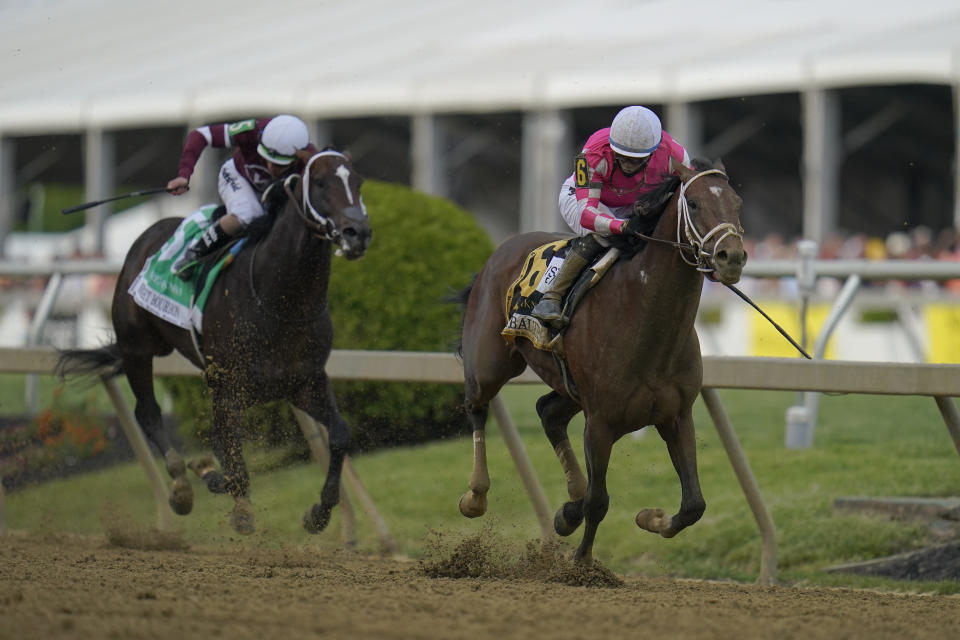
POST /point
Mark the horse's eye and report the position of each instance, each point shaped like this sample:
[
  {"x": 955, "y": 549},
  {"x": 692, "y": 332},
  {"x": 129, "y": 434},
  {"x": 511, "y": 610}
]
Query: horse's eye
[{"x": 692, "y": 204}]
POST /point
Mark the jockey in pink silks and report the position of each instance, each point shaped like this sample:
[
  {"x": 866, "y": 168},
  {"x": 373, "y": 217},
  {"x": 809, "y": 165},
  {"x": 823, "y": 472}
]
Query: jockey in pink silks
[{"x": 617, "y": 164}]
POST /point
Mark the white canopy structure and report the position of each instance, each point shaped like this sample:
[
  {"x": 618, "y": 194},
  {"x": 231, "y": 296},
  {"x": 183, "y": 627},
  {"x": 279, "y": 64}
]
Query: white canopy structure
[
  {"x": 95, "y": 65},
  {"x": 73, "y": 64}
]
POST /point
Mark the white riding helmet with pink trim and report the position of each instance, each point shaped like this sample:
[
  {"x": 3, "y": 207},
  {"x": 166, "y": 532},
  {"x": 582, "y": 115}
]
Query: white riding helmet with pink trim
[
  {"x": 283, "y": 136},
  {"x": 635, "y": 132}
]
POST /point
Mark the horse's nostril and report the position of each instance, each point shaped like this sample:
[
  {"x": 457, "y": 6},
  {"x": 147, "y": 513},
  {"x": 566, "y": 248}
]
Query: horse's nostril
[
  {"x": 722, "y": 256},
  {"x": 350, "y": 232}
]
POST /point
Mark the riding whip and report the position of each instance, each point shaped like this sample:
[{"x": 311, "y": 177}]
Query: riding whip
[
  {"x": 744, "y": 297},
  {"x": 88, "y": 205}
]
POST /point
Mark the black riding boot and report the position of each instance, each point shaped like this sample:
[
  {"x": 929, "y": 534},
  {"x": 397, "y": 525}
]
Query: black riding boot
[
  {"x": 582, "y": 251},
  {"x": 212, "y": 239}
]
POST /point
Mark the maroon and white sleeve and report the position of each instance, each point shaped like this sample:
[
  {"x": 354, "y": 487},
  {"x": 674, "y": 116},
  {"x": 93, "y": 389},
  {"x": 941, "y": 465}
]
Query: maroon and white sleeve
[{"x": 214, "y": 135}]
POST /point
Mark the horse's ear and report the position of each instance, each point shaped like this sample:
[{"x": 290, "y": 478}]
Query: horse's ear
[
  {"x": 678, "y": 168},
  {"x": 719, "y": 165},
  {"x": 303, "y": 156}
]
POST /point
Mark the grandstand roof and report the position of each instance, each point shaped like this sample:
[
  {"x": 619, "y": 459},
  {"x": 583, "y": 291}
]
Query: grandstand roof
[{"x": 72, "y": 64}]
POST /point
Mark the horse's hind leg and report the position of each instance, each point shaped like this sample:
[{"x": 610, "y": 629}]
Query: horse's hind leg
[
  {"x": 681, "y": 444},
  {"x": 321, "y": 404},
  {"x": 555, "y": 412},
  {"x": 139, "y": 372},
  {"x": 474, "y": 502},
  {"x": 480, "y": 388},
  {"x": 488, "y": 362}
]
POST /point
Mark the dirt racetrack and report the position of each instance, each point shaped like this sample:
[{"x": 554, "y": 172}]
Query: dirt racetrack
[{"x": 66, "y": 587}]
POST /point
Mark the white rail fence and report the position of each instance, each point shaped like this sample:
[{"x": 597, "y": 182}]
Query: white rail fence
[{"x": 939, "y": 381}]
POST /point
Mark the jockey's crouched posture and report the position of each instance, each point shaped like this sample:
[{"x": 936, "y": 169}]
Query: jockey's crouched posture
[
  {"x": 617, "y": 164},
  {"x": 265, "y": 149}
]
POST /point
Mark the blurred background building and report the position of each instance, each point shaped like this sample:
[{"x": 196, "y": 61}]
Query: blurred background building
[{"x": 831, "y": 117}]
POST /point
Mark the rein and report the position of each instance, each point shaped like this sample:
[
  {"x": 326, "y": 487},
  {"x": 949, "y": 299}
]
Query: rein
[{"x": 701, "y": 259}]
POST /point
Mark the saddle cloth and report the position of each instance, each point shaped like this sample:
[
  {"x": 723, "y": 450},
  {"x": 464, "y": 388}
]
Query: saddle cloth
[
  {"x": 538, "y": 272},
  {"x": 161, "y": 292},
  {"x": 539, "y": 269}
]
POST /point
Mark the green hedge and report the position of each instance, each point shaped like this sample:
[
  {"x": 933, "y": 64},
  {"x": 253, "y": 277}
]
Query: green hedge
[{"x": 424, "y": 249}]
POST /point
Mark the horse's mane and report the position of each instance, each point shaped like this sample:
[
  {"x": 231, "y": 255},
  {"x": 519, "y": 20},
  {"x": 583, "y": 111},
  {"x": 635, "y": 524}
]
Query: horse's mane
[{"x": 654, "y": 202}]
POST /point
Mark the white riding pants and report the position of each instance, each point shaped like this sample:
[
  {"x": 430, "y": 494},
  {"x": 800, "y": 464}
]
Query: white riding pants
[{"x": 239, "y": 196}]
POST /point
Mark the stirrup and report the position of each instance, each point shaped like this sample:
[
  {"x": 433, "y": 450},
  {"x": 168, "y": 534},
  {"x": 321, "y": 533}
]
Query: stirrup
[
  {"x": 552, "y": 315},
  {"x": 185, "y": 267},
  {"x": 186, "y": 272}
]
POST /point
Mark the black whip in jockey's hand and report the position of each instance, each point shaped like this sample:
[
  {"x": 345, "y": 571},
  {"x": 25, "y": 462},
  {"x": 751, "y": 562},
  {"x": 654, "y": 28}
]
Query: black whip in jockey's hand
[{"x": 88, "y": 205}]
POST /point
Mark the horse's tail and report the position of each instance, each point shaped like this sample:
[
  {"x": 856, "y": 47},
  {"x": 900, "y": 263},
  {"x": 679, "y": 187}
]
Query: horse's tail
[
  {"x": 460, "y": 298},
  {"x": 104, "y": 362}
]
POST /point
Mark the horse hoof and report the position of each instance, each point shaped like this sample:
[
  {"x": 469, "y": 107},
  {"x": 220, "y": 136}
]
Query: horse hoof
[
  {"x": 653, "y": 520},
  {"x": 567, "y": 519},
  {"x": 473, "y": 505},
  {"x": 202, "y": 466},
  {"x": 583, "y": 558},
  {"x": 242, "y": 517},
  {"x": 181, "y": 496},
  {"x": 316, "y": 518}
]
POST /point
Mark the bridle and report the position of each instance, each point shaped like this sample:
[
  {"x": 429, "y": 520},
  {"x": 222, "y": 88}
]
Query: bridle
[
  {"x": 320, "y": 225},
  {"x": 689, "y": 240}
]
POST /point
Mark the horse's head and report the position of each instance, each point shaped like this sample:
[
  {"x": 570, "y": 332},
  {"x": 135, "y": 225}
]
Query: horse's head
[
  {"x": 708, "y": 219},
  {"x": 330, "y": 199}
]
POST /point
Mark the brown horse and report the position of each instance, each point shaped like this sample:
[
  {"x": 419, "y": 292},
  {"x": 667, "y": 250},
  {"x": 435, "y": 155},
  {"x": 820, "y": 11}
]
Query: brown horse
[
  {"x": 631, "y": 348},
  {"x": 266, "y": 331}
]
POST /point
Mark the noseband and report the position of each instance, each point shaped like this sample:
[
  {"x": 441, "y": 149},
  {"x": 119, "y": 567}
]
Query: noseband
[{"x": 321, "y": 226}]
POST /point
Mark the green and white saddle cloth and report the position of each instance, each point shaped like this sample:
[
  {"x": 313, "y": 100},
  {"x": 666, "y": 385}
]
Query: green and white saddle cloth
[{"x": 160, "y": 291}]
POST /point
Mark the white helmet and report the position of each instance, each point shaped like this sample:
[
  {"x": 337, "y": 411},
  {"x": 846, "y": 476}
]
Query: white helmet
[
  {"x": 281, "y": 139},
  {"x": 635, "y": 132}
]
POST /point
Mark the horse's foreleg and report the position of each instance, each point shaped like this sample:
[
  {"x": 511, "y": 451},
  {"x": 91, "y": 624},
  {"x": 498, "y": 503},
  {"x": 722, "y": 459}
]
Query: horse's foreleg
[
  {"x": 326, "y": 413},
  {"x": 597, "y": 444},
  {"x": 555, "y": 412},
  {"x": 227, "y": 447},
  {"x": 474, "y": 502},
  {"x": 682, "y": 447},
  {"x": 147, "y": 412}
]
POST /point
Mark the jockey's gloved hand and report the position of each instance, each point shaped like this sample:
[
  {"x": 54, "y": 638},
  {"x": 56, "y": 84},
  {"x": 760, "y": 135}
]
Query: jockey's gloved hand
[{"x": 635, "y": 224}]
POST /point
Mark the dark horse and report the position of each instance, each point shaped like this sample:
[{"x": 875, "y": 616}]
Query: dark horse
[
  {"x": 631, "y": 348},
  {"x": 266, "y": 333}
]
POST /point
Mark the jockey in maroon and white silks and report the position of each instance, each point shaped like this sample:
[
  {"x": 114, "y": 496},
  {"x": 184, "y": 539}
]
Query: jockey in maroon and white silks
[
  {"x": 264, "y": 151},
  {"x": 598, "y": 196},
  {"x": 246, "y": 166}
]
